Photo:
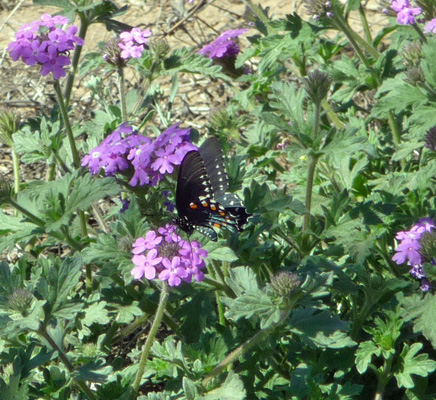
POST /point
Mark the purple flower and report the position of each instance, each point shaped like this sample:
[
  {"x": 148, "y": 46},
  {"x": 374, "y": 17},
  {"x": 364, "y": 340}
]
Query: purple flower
[
  {"x": 223, "y": 45},
  {"x": 132, "y": 43},
  {"x": 144, "y": 161},
  {"x": 410, "y": 246},
  {"x": 173, "y": 271},
  {"x": 405, "y": 13},
  {"x": 45, "y": 43},
  {"x": 179, "y": 260},
  {"x": 146, "y": 265},
  {"x": 431, "y": 26}
]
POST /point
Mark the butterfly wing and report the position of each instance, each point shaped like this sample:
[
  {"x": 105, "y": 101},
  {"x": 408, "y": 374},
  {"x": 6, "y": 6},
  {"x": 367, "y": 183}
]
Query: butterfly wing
[
  {"x": 212, "y": 155},
  {"x": 195, "y": 202}
]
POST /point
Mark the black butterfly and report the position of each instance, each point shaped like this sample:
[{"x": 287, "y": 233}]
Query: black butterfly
[{"x": 201, "y": 199}]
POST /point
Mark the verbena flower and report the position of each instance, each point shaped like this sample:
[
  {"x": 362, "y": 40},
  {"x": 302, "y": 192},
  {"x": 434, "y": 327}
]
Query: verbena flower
[
  {"x": 165, "y": 255},
  {"x": 147, "y": 161},
  {"x": 132, "y": 43},
  {"x": 431, "y": 26},
  {"x": 405, "y": 14},
  {"x": 410, "y": 248},
  {"x": 46, "y": 43},
  {"x": 224, "y": 45}
]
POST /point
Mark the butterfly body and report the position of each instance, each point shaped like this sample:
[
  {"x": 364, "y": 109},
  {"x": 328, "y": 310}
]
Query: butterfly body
[{"x": 201, "y": 199}]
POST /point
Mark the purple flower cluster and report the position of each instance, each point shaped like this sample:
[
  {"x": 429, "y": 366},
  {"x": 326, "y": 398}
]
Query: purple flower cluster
[
  {"x": 223, "y": 45},
  {"x": 45, "y": 43},
  {"x": 132, "y": 43},
  {"x": 167, "y": 256},
  {"x": 405, "y": 13},
  {"x": 150, "y": 160},
  {"x": 408, "y": 250}
]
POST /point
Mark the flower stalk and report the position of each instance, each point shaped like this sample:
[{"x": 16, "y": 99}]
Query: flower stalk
[{"x": 164, "y": 295}]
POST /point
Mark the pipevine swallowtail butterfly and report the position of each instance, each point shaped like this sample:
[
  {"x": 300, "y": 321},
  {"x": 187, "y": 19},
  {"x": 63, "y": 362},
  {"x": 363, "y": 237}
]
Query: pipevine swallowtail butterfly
[{"x": 201, "y": 199}]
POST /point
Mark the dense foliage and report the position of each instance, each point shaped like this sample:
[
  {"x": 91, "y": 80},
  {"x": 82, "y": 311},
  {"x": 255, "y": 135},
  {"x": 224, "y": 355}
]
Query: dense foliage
[{"x": 329, "y": 143}]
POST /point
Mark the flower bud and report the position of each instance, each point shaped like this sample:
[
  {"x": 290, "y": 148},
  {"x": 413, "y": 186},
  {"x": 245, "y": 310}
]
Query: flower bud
[
  {"x": 285, "y": 283},
  {"x": 6, "y": 191},
  {"x": 112, "y": 53},
  {"x": 430, "y": 139},
  {"x": 317, "y": 85},
  {"x": 415, "y": 76},
  {"x": 412, "y": 54},
  {"x": 8, "y": 126},
  {"x": 428, "y": 245},
  {"x": 20, "y": 300},
  {"x": 159, "y": 48}
]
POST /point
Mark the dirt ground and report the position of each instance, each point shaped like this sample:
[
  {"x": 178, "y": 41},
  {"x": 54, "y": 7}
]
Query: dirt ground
[{"x": 26, "y": 92}]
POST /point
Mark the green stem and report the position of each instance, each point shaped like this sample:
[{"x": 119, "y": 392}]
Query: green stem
[
  {"x": 74, "y": 152},
  {"x": 164, "y": 294},
  {"x": 420, "y": 32},
  {"x": 311, "y": 166},
  {"x": 85, "y": 389},
  {"x": 50, "y": 175},
  {"x": 396, "y": 135},
  {"x": 260, "y": 15},
  {"x": 16, "y": 170},
  {"x": 122, "y": 93},
  {"x": 243, "y": 348},
  {"x": 316, "y": 120},
  {"x": 76, "y": 57},
  {"x": 332, "y": 115},
  {"x": 365, "y": 25},
  {"x": 28, "y": 214},
  {"x": 351, "y": 35},
  {"x": 66, "y": 121},
  {"x": 384, "y": 378}
]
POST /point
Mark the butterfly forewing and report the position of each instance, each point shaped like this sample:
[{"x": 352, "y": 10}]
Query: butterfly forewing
[{"x": 212, "y": 155}]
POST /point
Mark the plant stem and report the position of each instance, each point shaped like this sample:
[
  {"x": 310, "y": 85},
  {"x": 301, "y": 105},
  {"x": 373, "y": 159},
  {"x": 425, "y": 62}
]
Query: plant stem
[
  {"x": 332, "y": 115},
  {"x": 164, "y": 294},
  {"x": 74, "y": 152},
  {"x": 365, "y": 25},
  {"x": 396, "y": 135},
  {"x": 122, "y": 93},
  {"x": 42, "y": 331},
  {"x": 16, "y": 168},
  {"x": 243, "y": 348},
  {"x": 84, "y": 24},
  {"x": 420, "y": 33},
  {"x": 342, "y": 25},
  {"x": 66, "y": 121},
  {"x": 260, "y": 15},
  {"x": 311, "y": 166}
]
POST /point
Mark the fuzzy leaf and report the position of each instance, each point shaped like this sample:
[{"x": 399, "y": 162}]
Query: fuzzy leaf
[{"x": 411, "y": 365}]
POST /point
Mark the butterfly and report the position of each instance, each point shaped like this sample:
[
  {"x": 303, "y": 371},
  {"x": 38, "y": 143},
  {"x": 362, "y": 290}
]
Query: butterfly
[{"x": 201, "y": 199}]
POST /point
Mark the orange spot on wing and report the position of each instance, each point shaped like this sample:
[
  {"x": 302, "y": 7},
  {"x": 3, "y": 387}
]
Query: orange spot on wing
[{"x": 193, "y": 206}]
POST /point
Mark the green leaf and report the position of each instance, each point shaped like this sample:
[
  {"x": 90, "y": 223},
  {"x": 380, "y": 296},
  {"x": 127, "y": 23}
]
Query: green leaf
[
  {"x": 231, "y": 389},
  {"x": 398, "y": 95},
  {"x": 421, "y": 310},
  {"x": 411, "y": 365},
  {"x": 85, "y": 190},
  {"x": 320, "y": 329},
  {"x": 59, "y": 284},
  {"x": 189, "y": 389},
  {"x": 364, "y": 355},
  {"x": 219, "y": 252},
  {"x": 96, "y": 313},
  {"x": 181, "y": 60}
]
